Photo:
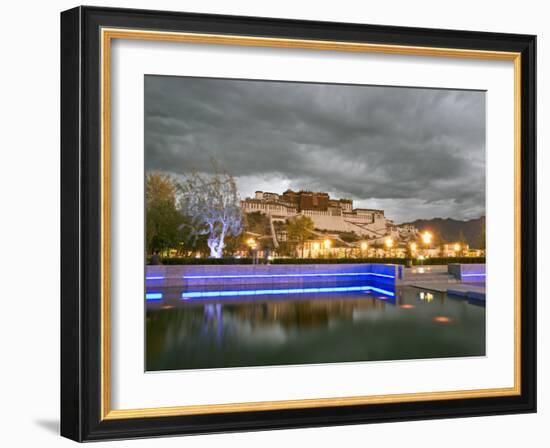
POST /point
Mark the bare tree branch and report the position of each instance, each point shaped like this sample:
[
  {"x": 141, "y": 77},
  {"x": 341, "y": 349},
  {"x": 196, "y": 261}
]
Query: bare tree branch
[{"x": 212, "y": 204}]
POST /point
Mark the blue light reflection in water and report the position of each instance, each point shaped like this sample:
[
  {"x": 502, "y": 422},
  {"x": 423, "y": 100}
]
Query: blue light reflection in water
[
  {"x": 153, "y": 296},
  {"x": 281, "y": 324}
]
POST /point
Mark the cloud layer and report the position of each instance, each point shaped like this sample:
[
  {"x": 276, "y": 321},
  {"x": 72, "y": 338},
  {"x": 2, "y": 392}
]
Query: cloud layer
[{"x": 418, "y": 153}]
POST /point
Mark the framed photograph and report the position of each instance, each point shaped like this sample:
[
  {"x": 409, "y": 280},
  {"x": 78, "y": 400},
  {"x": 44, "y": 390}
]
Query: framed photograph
[{"x": 273, "y": 223}]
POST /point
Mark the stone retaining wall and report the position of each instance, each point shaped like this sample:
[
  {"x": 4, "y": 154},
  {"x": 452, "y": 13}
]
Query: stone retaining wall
[
  {"x": 471, "y": 273},
  {"x": 210, "y": 275}
]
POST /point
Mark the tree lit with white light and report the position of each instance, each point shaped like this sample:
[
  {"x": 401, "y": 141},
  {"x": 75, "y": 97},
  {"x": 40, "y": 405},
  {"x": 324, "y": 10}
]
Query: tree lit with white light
[{"x": 212, "y": 203}]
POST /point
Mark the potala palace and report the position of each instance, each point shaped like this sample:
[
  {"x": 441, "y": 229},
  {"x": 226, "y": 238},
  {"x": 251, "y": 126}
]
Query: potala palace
[{"x": 330, "y": 215}]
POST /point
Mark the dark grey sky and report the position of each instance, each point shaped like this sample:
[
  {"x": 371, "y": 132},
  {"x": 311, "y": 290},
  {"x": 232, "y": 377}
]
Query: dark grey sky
[{"x": 417, "y": 153}]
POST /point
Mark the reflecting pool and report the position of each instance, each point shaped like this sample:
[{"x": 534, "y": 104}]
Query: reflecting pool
[{"x": 235, "y": 328}]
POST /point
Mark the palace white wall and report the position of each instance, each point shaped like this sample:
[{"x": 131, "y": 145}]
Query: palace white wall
[
  {"x": 30, "y": 221},
  {"x": 324, "y": 220}
]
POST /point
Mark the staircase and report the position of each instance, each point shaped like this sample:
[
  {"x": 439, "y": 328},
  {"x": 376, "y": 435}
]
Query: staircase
[{"x": 436, "y": 275}]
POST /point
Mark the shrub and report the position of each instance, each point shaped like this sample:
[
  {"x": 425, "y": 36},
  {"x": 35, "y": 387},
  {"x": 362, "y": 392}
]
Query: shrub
[
  {"x": 338, "y": 260},
  {"x": 403, "y": 261},
  {"x": 202, "y": 261},
  {"x": 443, "y": 260}
]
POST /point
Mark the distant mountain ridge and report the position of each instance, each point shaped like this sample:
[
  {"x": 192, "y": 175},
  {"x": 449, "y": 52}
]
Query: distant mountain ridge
[{"x": 449, "y": 230}]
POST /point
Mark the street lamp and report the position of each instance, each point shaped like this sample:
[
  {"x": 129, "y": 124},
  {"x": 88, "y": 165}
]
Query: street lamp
[
  {"x": 427, "y": 238},
  {"x": 364, "y": 246},
  {"x": 316, "y": 247},
  {"x": 253, "y": 245},
  {"x": 326, "y": 246},
  {"x": 389, "y": 244}
]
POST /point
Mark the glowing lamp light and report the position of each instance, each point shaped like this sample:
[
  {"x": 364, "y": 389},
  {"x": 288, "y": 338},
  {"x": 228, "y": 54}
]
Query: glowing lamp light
[
  {"x": 427, "y": 238},
  {"x": 457, "y": 247},
  {"x": 316, "y": 246},
  {"x": 413, "y": 247},
  {"x": 389, "y": 243},
  {"x": 251, "y": 243},
  {"x": 327, "y": 243},
  {"x": 406, "y": 306},
  {"x": 364, "y": 245},
  {"x": 442, "y": 319}
]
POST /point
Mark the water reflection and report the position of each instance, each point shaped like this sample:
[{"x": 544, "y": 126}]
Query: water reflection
[
  {"x": 312, "y": 328},
  {"x": 427, "y": 296}
]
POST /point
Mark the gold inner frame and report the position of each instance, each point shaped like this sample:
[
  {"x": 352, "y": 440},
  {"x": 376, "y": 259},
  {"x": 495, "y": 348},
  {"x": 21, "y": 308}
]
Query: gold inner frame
[{"x": 107, "y": 35}]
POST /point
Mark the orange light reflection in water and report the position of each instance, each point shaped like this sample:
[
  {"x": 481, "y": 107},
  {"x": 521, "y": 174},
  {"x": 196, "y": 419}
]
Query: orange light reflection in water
[
  {"x": 406, "y": 306},
  {"x": 442, "y": 319}
]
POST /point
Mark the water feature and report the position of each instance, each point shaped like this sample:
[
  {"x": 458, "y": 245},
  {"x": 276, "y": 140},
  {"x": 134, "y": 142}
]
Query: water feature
[{"x": 342, "y": 322}]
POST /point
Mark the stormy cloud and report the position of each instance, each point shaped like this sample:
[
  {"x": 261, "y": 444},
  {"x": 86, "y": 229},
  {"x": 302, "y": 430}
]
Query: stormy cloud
[{"x": 416, "y": 153}]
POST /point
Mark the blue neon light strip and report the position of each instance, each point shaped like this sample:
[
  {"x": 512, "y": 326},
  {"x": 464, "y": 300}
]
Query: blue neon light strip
[
  {"x": 331, "y": 274},
  {"x": 153, "y": 296},
  {"x": 261, "y": 292},
  {"x": 381, "y": 291},
  {"x": 154, "y": 278},
  {"x": 474, "y": 275}
]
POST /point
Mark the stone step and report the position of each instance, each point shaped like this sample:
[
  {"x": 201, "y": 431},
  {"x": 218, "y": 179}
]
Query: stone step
[{"x": 429, "y": 277}]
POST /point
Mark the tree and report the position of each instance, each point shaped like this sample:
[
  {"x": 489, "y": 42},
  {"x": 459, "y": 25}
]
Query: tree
[
  {"x": 349, "y": 237},
  {"x": 482, "y": 234},
  {"x": 212, "y": 205},
  {"x": 409, "y": 252},
  {"x": 299, "y": 230},
  {"x": 257, "y": 222},
  {"x": 259, "y": 225},
  {"x": 162, "y": 220}
]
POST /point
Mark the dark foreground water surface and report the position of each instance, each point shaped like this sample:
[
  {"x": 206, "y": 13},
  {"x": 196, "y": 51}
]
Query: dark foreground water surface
[{"x": 310, "y": 328}]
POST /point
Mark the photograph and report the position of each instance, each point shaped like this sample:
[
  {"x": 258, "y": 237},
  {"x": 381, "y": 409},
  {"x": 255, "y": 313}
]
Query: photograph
[
  {"x": 291, "y": 220},
  {"x": 291, "y": 223}
]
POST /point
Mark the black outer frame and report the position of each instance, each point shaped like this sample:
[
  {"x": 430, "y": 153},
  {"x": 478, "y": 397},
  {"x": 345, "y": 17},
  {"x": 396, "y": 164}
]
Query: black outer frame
[{"x": 80, "y": 223}]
